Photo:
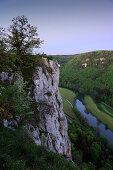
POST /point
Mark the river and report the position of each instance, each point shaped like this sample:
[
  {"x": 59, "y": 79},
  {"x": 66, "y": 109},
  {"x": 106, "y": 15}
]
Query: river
[{"x": 94, "y": 122}]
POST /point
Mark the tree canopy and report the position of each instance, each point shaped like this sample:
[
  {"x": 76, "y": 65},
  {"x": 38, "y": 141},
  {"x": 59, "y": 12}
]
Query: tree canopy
[
  {"x": 90, "y": 73},
  {"x": 2, "y": 40},
  {"x": 21, "y": 37}
]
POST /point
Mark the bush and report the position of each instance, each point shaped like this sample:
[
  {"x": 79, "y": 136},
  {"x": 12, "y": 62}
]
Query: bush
[
  {"x": 14, "y": 100},
  {"x": 50, "y": 57},
  {"x": 18, "y": 152}
]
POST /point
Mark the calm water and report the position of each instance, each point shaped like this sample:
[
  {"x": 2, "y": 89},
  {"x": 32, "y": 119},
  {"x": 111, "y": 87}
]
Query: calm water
[{"x": 94, "y": 122}]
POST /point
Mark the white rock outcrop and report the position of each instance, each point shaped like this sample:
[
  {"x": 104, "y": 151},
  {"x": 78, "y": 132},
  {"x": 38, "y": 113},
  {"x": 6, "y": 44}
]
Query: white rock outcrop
[
  {"x": 52, "y": 128},
  {"x": 49, "y": 125}
]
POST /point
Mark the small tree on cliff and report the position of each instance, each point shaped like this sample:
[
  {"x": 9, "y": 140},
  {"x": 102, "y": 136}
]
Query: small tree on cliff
[{"x": 22, "y": 37}]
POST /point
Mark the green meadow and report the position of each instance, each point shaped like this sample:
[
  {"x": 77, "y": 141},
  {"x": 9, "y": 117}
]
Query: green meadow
[
  {"x": 103, "y": 112},
  {"x": 69, "y": 95}
]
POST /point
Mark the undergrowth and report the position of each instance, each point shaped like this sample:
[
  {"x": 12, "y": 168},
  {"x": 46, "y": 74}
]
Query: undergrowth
[{"x": 18, "y": 152}]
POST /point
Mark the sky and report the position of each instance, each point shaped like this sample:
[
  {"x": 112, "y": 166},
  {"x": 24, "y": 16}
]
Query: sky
[{"x": 66, "y": 26}]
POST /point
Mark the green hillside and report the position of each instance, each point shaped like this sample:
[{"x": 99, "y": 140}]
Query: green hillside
[
  {"x": 68, "y": 98},
  {"x": 63, "y": 59},
  {"x": 90, "y": 73}
]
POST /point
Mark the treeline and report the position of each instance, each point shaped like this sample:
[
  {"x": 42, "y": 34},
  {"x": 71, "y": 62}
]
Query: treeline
[{"x": 90, "y": 73}]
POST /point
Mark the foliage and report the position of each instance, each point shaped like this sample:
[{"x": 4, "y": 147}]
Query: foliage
[
  {"x": 2, "y": 41},
  {"x": 16, "y": 49},
  {"x": 87, "y": 147},
  {"x": 14, "y": 100},
  {"x": 17, "y": 152},
  {"x": 21, "y": 37},
  {"x": 16, "y": 63},
  {"x": 49, "y": 69},
  {"x": 63, "y": 59},
  {"x": 95, "y": 150},
  {"x": 89, "y": 150},
  {"x": 95, "y": 79},
  {"x": 101, "y": 111},
  {"x": 50, "y": 57}
]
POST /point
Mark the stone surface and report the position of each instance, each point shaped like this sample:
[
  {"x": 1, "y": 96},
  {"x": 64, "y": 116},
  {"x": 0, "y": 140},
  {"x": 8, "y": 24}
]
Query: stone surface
[
  {"x": 5, "y": 76},
  {"x": 12, "y": 124},
  {"x": 49, "y": 128},
  {"x": 53, "y": 123}
]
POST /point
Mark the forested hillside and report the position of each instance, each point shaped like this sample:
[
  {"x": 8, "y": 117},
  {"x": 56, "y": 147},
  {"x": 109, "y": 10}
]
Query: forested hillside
[
  {"x": 63, "y": 59},
  {"x": 90, "y": 73}
]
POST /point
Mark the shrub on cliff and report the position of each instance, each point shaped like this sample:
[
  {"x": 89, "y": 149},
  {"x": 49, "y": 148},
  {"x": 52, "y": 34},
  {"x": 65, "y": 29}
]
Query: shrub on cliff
[
  {"x": 14, "y": 101},
  {"x": 19, "y": 152}
]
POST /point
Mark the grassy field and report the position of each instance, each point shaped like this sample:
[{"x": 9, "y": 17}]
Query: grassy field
[
  {"x": 101, "y": 111},
  {"x": 70, "y": 95},
  {"x": 106, "y": 109}
]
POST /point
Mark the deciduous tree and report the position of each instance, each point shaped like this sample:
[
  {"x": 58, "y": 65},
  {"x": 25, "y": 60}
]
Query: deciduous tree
[{"x": 21, "y": 37}]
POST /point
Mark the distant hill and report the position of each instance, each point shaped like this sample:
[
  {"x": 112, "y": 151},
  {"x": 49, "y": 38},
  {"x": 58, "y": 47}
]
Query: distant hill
[
  {"x": 90, "y": 73},
  {"x": 63, "y": 59}
]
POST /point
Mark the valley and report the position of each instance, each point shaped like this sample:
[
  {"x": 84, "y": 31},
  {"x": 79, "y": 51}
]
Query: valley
[
  {"x": 56, "y": 85},
  {"x": 87, "y": 144},
  {"x": 90, "y": 111},
  {"x": 91, "y": 75}
]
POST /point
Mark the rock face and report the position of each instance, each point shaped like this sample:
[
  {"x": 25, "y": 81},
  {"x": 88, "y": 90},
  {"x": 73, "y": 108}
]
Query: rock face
[
  {"x": 49, "y": 127},
  {"x": 51, "y": 130},
  {"x": 5, "y": 76}
]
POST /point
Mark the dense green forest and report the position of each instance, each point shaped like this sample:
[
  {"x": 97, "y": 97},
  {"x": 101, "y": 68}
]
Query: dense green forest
[
  {"x": 89, "y": 150},
  {"x": 63, "y": 59},
  {"x": 89, "y": 73}
]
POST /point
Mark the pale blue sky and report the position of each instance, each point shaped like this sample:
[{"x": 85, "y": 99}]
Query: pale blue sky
[{"x": 66, "y": 26}]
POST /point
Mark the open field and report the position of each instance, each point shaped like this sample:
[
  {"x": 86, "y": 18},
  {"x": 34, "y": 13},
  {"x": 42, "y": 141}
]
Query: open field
[
  {"x": 106, "y": 109},
  {"x": 104, "y": 114},
  {"x": 68, "y": 94}
]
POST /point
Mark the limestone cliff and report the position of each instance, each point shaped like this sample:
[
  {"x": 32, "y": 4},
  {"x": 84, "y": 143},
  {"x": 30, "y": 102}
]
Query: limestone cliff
[{"x": 49, "y": 125}]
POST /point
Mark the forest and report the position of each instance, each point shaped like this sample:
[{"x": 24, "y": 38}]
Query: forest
[
  {"x": 89, "y": 73},
  {"x": 90, "y": 151}
]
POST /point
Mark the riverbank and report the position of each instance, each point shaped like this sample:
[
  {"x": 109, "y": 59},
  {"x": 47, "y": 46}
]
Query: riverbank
[
  {"x": 104, "y": 115},
  {"x": 84, "y": 139},
  {"x": 93, "y": 119},
  {"x": 94, "y": 122}
]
